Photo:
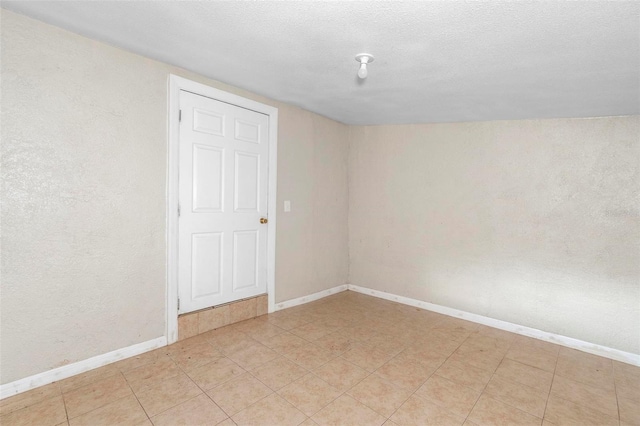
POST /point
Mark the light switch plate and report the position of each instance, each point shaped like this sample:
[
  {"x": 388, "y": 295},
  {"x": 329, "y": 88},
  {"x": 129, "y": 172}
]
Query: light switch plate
[{"x": 287, "y": 206}]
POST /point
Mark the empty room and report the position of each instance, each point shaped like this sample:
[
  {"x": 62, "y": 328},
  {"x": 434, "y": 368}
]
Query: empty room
[{"x": 319, "y": 213}]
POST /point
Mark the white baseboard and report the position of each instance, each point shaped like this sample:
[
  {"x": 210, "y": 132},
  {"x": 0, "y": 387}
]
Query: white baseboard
[
  {"x": 618, "y": 355},
  {"x": 66, "y": 371},
  {"x": 310, "y": 298},
  {"x": 60, "y": 373}
]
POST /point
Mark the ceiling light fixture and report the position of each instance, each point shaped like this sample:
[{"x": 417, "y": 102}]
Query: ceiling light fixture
[{"x": 364, "y": 59}]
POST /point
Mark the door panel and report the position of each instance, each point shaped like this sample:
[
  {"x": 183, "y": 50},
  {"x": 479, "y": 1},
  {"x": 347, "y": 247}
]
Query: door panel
[
  {"x": 206, "y": 262},
  {"x": 248, "y": 132},
  {"x": 223, "y": 194},
  {"x": 208, "y": 182},
  {"x": 245, "y": 248},
  {"x": 247, "y": 182},
  {"x": 208, "y": 122}
]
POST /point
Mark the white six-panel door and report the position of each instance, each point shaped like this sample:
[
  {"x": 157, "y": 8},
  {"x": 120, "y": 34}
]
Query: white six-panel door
[{"x": 223, "y": 182}]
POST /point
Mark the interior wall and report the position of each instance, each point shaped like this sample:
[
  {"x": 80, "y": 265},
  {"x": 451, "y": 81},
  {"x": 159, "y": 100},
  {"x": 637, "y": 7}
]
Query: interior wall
[
  {"x": 312, "y": 241},
  {"x": 532, "y": 222},
  {"x": 84, "y": 163}
]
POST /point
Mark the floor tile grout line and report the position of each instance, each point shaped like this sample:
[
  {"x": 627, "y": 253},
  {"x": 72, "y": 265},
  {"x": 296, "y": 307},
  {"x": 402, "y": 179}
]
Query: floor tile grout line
[
  {"x": 36, "y": 401},
  {"x": 192, "y": 381},
  {"x": 212, "y": 400},
  {"x": 591, "y": 386},
  {"x": 260, "y": 399},
  {"x": 136, "y": 397},
  {"x": 248, "y": 372},
  {"x": 615, "y": 389},
  {"x": 216, "y": 404},
  {"x": 414, "y": 390},
  {"x": 332, "y": 401},
  {"x": 297, "y": 363},
  {"x": 64, "y": 402},
  {"x": 485, "y": 385},
  {"x": 403, "y": 402},
  {"x": 274, "y": 390},
  {"x": 553, "y": 378},
  {"x": 329, "y": 384},
  {"x": 97, "y": 379},
  {"x": 88, "y": 384},
  {"x": 519, "y": 384},
  {"x": 320, "y": 409},
  {"x": 550, "y": 387}
]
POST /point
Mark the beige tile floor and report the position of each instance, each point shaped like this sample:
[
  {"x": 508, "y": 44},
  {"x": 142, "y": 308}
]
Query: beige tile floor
[{"x": 348, "y": 359}]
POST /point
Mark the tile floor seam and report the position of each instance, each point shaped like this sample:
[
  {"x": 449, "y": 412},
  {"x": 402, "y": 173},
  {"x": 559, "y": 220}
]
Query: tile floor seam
[
  {"x": 223, "y": 410},
  {"x": 403, "y": 402},
  {"x": 302, "y": 366},
  {"x": 89, "y": 384},
  {"x": 64, "y": 402},
  {"x": 445, "y": 408},
  {"x": 585, "y": 406},
  {"x": 520, "y": 384},
  {"x": 192, "y": 381},
  {"x": 359, "y": 381},
  {"x": 416, "y": 390},
  {"x": 136, "y": 397},
  {"x": 217, "y": 405},
  {"x": 615, "y": 389},
  {"x": 484, "y": 387},
  {"x": 326, "y": 405},
  {"x": 510, "y": 405},
  {"x": 553, "y": 378},
  {"x": 329, "y": 384},
  {"x": 582, "y": 405},
  {"x": 264, "y": 397},
  {"x": 173, "y": 406},
  {"x": 294, "y": 380},
  {"x": 258, "y": 379},
  {"x": 190, "y": 399},
  {"x": 481, "y": 392}
]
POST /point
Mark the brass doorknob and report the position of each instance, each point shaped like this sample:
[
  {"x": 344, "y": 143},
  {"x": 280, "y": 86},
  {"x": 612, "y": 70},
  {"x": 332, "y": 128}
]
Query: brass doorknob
[{"x": 264, "y": 220}]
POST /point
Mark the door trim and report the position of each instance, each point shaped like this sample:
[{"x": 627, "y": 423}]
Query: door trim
[{"x": 176, "y": 84}]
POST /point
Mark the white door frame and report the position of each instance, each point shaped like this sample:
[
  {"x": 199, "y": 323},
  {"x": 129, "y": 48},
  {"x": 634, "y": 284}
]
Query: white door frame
[{"x": 176, "y": 84}]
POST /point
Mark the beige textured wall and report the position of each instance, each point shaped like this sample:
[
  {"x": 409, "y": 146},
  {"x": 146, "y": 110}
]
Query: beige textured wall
[
  {"x": 532, "y": 222},
  {"x": 83, "y": 198},
  {"x": 312, "y": 240}
]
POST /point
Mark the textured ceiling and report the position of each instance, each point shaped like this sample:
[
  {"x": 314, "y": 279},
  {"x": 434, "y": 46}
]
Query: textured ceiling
[{"x": 434, "y": 61}]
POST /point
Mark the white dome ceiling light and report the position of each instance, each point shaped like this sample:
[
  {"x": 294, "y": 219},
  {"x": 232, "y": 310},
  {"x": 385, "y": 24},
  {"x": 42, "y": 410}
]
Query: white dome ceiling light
[{"x": 364, "y": 59}]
